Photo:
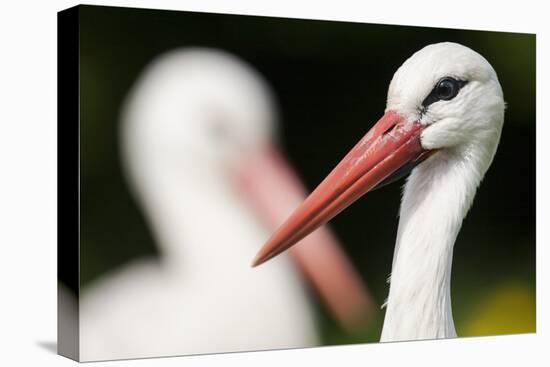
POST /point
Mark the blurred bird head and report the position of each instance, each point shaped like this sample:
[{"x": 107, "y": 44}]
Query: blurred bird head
[{"x": 202, "y": 109}]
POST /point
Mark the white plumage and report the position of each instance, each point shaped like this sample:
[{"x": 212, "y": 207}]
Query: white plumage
[{"x": 202, "y": 296}]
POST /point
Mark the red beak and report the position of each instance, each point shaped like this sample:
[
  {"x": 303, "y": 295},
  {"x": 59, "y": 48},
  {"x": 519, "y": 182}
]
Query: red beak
[{"x": 389, "y": 145}]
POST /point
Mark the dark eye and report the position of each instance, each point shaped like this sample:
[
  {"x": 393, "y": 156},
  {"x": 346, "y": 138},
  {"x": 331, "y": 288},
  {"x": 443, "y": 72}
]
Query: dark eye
[{"x": 445, "y": 89}]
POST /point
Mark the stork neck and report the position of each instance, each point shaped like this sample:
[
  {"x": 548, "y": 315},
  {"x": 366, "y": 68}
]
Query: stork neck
[
  {"x": 436, "y": 199},
  {"x": 195, "y": 217}
]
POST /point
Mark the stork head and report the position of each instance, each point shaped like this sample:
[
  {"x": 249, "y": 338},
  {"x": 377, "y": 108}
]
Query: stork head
[
  {"x": 452, "y": 91},
  {"x": 444, "y": 97},
  {"x": 195, "y": 109}
]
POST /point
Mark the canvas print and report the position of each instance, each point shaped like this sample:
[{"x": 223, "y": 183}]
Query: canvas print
[{"x": 234, "y": 183}]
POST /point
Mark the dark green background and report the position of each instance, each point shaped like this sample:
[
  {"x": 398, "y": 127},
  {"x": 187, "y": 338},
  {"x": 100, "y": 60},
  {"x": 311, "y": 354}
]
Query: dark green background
[{"x": 330, "y": 79}]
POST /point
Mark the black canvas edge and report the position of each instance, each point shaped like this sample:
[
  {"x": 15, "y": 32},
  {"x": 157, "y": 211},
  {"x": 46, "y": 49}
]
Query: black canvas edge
[{"x": 68, "y": 182}]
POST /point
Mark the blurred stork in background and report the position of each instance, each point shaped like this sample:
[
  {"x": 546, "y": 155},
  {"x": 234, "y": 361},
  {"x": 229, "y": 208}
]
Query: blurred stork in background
[
  {"x": 443, "y": 121},
  {"x": 197, "y": 145}
]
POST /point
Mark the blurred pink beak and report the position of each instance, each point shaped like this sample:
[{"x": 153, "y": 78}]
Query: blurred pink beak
[
  {"x": 389, "y": 145},
  {"x": 274, "y": 191}
]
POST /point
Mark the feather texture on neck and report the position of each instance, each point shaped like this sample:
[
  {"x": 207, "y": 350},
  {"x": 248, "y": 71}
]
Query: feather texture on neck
[{"x": 436, "y": 198}]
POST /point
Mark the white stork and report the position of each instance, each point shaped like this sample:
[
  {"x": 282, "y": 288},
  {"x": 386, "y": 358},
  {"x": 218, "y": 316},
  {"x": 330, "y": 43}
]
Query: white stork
[
  {"x": 443, "y": 121},
  {"x": 197, "y": 147}
]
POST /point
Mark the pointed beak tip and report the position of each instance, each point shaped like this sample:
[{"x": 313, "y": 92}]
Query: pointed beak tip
[
  {"x": 255, "y": 263},
  {"x": 258, "y": 260},
  {"x": 263, "y": 257}
]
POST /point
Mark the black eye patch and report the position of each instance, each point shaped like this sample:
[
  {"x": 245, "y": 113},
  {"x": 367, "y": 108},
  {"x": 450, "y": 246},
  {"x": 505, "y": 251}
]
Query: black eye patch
[{"x": 444, "y": 90}]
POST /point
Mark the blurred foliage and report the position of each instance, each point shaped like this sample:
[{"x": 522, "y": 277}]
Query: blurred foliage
[
  {"x": 331, "y": 80},
  {"x": 507, "y": 309}
]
